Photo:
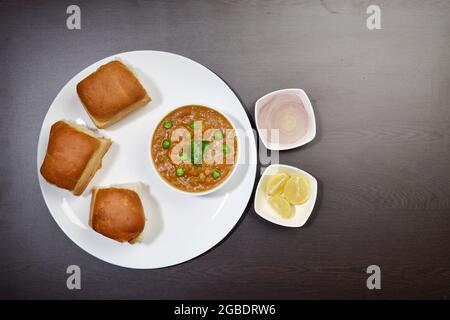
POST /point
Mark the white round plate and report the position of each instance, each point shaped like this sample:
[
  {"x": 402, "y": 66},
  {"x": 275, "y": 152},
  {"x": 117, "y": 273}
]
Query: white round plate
[{"x": 179, "y": 227}]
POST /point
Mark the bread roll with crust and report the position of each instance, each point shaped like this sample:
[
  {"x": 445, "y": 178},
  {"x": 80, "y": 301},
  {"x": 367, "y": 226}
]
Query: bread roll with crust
[
  {"x": 117, "y": 213},
  {"x": 111, "y": 93},
  {"x": 74, "y": 154}
]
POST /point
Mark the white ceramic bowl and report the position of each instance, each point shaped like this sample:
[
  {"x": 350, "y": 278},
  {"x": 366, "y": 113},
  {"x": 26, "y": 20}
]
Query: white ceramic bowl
[
  {"x": 223, "y": 182},
  {"x": 301, "y": 211},
  {"x": 311, "y": 130}
]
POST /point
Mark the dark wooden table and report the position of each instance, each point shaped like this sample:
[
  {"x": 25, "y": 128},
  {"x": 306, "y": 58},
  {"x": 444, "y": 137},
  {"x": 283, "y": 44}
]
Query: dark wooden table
[{"x": 382, "y": 154}]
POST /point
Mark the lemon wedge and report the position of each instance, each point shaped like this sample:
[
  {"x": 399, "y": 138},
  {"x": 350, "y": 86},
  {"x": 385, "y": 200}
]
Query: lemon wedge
[
  {"x": 275, "y": 184},
  {"x": 281, "y": 206},
  {"x": 297, "y": 190}
]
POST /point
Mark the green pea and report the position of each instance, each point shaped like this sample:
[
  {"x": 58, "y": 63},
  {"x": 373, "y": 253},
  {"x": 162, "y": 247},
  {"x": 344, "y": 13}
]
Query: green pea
[
  {"x": 166, "y": 144},
  {"x": 194, "y": 125},
  {"x": 226, "y": 148},
  {"x": 215, "y": 174},
  {"x": 184, "y": 156},
  {"x": 167, "y": 124},
  {"x": 180, "y": 172},
  {"x": 218, "y": 135}
]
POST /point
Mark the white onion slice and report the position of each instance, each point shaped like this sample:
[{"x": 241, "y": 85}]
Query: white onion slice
[{"x": 286, "y": 113}]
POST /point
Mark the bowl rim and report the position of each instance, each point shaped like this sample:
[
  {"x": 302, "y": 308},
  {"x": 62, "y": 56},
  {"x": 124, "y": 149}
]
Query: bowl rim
[
  {"x": 311, "y": 117},
  {"x": 258, "y": 190},
  {"x": 201, "y": 193}
]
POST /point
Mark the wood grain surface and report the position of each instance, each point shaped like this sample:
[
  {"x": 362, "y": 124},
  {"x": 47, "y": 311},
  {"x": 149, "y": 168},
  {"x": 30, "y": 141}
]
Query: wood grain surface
[{"x": 381, "y": 156}]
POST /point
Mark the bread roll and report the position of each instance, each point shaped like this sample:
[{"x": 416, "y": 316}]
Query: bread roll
[
  {"x": 111, "y": 93},
  {"x": 117, "y": 213},
  {"x": 74, "y": 154}
]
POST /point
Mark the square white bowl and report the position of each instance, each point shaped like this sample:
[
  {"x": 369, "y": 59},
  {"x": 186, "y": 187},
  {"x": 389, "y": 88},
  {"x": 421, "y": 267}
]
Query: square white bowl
[
  {"x": 301, "y": 211},
  {"x": 311, "y": 130}
]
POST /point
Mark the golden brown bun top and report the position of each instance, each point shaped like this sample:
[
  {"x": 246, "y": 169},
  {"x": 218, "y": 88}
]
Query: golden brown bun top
[
  {"x": 68, "y": 152},
  {"x": 117, "y": 213},
  {"x": 109, "y": 90}
]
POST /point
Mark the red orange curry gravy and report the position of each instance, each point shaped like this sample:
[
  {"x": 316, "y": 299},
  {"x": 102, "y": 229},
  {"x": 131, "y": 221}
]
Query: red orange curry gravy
[{"x": 194, "y": 148}]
